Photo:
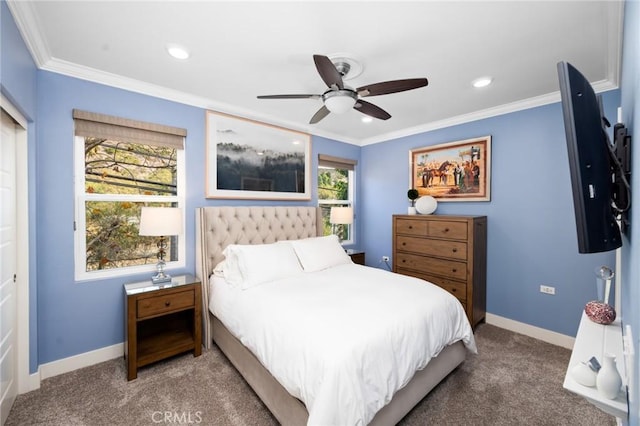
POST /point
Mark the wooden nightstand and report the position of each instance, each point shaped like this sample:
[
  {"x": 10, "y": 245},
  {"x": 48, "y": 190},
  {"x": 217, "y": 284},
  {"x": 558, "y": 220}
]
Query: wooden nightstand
[
  {"x": 357, "y": 256},
  {"x": 161, "y": 321}
]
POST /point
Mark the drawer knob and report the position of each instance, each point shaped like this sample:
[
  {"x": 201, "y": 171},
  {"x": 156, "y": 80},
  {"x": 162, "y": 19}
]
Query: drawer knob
[
  {"x": 410, "y": 226},
  {"x": 453, "y": 290},
  {"x": 454, "y": 270},
  {"x": 404, "y": 244},
  {"x": 403, "y": 261},
  {"x": 455, "y": 250},
  {"x": 167, "y": 303},
  {"x": 446, "y": 229}
]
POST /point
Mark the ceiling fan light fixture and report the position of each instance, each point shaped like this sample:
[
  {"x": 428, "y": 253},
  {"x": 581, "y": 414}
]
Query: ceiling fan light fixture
[{"x": 339, "y": 101}]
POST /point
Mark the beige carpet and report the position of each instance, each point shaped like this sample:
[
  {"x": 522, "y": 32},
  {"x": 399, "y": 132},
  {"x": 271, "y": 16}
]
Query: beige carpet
[{"x": 515, "y": 380}]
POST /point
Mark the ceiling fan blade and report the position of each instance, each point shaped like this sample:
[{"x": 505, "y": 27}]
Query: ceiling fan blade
[
  {"x": 289, "y": 97},
  {"x": 372, "y": 110},
  {"x": 319, "y": 115},
  {"x": 328, "y": 71},
  {"x": 393, "y": 86}
]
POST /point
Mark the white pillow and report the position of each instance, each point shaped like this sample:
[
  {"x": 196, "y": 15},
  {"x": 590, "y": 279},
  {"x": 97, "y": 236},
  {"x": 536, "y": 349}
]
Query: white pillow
[
  {"x": 320, "y": 253},
  {"x": 230, "y": 268},
  {"x": 261, "y": 263}
]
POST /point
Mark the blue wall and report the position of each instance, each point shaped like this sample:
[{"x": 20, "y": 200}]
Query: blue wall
[
  {"x": 630, "y": 87},
  {"x": 18, "y": 84},
  {"x": 531, "y": 226}
]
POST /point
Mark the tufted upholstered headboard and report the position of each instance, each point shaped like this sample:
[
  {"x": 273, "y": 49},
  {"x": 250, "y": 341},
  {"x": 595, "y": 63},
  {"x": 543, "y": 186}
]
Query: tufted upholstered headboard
[{"x": 217, "y": 227}]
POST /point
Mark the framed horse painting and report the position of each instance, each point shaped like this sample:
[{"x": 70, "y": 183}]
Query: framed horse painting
[{"x": 453, "y": 171}]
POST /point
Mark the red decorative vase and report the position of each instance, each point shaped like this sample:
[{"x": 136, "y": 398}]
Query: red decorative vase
[{"x": 599, "y": 312}]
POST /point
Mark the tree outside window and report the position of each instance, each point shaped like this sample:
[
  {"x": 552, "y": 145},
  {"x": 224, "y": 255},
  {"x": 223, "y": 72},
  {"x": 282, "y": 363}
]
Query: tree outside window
[{"x": 134, "y": 172}]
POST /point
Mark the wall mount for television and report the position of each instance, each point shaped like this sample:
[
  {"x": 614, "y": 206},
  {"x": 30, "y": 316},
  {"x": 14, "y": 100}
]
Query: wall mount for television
[{"x": 620, "y": 152}]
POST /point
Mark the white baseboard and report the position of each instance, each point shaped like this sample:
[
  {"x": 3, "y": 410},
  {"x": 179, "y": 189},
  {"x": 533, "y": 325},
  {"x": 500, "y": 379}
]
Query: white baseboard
[
  {"x": 86, "y": 359},
  {"x": 32, "y": 383},
  {"x": 531, "y": 331}
]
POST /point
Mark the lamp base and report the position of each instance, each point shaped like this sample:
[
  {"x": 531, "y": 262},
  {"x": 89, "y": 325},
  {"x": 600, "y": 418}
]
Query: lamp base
[{"x": 161, "y": 278}]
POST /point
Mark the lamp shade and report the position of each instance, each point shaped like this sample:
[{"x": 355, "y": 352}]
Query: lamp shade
[
  {"x": 160, "y": 221},
  {"x": 341, "y": 215}
]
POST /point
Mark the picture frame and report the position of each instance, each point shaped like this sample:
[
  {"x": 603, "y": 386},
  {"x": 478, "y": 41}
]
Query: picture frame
[
  {"x": 247, "y": 159},
  {"x": 453, "y": 171}
]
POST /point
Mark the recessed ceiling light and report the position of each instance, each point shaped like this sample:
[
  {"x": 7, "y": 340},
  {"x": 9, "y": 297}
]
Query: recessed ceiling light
[
  {"x": 367, "y": 119},
  {"x": 482, "y": 82},
  {"x": 177, "y": 51}
]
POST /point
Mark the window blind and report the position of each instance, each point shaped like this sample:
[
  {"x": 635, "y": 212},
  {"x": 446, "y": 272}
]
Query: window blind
[
  {"x": 336, "y": 162},
  {"x": 91, "y": 124}
]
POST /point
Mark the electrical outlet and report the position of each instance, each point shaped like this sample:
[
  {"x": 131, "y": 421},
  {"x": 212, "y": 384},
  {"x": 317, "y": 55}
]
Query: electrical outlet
[
  {"x": 547, "y": 289},
  {"x": 385, "y": 258}
]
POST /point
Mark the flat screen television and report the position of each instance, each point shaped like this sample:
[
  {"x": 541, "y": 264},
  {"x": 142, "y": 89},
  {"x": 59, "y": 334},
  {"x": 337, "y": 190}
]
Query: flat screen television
[{"x": 601, "y": 192}]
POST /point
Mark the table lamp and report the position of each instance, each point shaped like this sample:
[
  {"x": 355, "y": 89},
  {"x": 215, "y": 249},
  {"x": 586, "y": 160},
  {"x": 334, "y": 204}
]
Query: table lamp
[
  {"x": 340, "y": 216},
  {"x": 160, "y": 222}
]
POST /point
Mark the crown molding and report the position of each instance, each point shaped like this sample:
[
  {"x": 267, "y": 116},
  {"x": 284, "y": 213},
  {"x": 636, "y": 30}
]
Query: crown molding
[
  {"x": 102, "y": 77},
  {"x": 550, "y": 98},
  {"x": 28, "y": 24}
]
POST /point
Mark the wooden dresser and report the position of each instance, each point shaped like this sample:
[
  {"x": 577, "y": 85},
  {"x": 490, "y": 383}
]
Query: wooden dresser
[{"x": 449, "y": 251}]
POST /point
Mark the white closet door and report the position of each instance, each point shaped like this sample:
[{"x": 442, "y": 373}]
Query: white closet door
[{"x": 8, "y": 267}]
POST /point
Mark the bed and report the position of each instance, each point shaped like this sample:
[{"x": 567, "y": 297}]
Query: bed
[{"x": 220, "y": 228}]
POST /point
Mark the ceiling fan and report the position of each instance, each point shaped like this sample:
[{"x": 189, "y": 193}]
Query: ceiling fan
[{"x": 340, "y": 98}]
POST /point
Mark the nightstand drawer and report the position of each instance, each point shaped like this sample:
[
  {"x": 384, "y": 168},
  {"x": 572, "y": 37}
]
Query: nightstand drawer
[
  {"x": 441, "y": 248},
  {"x": 165, "y": 303}
]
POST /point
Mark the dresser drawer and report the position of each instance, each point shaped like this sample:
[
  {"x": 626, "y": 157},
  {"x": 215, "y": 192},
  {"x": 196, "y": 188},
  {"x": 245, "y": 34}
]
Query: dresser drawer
[
  {"x": 457, "y": 288},
  {"x": 447, "y": 268},
  {"x": 165, "y": 303},
  {"x": 411, "y": 227},
  {"x": 442, "y": 248},
  {"x": 443, "y": 229}
]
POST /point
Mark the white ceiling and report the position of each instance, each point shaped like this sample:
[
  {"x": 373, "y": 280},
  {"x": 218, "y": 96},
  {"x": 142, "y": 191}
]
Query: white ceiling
[{"x": 243, "y": 49}]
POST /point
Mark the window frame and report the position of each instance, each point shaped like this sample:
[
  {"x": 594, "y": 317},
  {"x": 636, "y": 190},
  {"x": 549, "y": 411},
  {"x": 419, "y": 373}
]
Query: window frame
[
  {"x": 350, "y": 166},
  {"x": 80, "y": 225}
]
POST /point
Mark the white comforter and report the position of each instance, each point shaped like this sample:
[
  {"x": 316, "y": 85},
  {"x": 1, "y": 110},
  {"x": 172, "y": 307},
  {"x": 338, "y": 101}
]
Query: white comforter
[{"x": 345, "y": 339}]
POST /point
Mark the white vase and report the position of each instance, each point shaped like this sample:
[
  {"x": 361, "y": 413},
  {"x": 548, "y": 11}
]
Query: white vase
[
  {"x": 411, "y": 210},
  {"x": 608, "y": 381}
]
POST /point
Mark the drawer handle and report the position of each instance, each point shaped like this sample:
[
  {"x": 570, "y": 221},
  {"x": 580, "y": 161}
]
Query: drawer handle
[
  {"x": 454, "y": 270},
  {"x": 446, "y": 230},
  {"x": 453, "y": 290},
  {"x": 404, "y": 244},
  {"x": 403, "y": 261},
  {"x": 455, "y": 250},
  {"x": 167, "y": 303},
  {"x": 410, "y": 226}
]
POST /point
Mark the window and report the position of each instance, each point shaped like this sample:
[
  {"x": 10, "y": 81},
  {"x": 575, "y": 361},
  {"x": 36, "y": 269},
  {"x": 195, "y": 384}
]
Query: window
[
  {"x": 122, "y": 165},
  {"x": 336, "y": 189}
]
